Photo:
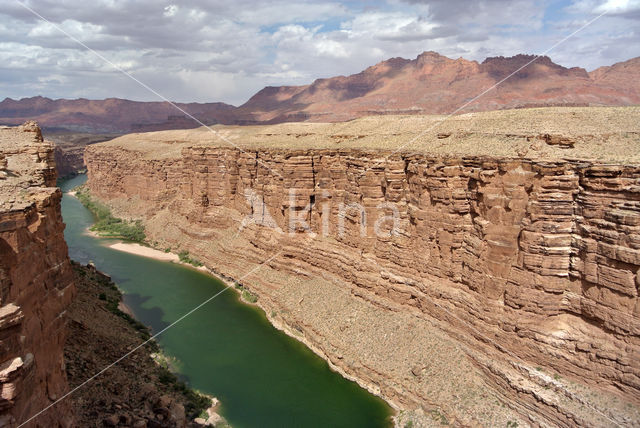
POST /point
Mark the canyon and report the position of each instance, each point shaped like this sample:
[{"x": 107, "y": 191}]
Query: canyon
[
  {"x": 429, "y": 84},
  {"x": 481, "y": 269},
  {"x": 36, "y": 281},
  {"x": 69, "y": 150},
  {"x": 57, "y": 328}
]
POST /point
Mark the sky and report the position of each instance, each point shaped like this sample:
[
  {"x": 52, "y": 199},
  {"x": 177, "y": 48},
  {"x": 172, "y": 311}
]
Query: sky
[{"x": 226, "y": 50}]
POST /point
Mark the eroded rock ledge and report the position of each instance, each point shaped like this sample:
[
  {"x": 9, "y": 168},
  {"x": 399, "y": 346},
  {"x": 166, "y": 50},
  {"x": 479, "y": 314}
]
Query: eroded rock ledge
[
  {"x": 521, "y": 270},
  {"x": 36, "y": 281}
]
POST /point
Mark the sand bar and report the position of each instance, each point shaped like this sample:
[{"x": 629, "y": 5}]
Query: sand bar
[{"x": 141, "y": 250}]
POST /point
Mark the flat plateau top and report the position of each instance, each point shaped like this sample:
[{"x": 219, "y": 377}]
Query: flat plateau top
[{"x": 607, "y": 134}]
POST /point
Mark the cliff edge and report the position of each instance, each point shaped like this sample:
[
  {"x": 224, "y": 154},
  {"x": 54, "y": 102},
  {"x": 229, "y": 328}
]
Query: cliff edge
[
  {"x": 484, "y": 269},
  {"x": 36, "y": 281}
]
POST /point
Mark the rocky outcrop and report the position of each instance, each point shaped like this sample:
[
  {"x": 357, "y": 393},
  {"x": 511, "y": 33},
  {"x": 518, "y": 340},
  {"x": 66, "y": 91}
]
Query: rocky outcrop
[
  {"x": 529, "y": 264},
  {"x": 36, "y": 282}
]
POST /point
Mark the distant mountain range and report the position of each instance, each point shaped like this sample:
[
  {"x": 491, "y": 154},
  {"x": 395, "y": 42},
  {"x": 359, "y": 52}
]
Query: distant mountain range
[
  {"x": 110, "y": 115},
  {"x": 431, "y": 83}
]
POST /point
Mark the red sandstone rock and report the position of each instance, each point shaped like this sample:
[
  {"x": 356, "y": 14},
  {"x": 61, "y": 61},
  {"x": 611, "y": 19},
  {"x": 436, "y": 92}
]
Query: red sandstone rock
[
  {"x": 35, "y": 282},
  {"x": 539, "y": 255},
  {"x": 433, "y": 83}
]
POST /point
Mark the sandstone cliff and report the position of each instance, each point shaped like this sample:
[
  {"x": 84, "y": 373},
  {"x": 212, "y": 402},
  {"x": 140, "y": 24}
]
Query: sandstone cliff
[
  {"x": 69, "y": 150},
  {"x": 495, "y": 259},
  {"x": 36, "y": 281}
]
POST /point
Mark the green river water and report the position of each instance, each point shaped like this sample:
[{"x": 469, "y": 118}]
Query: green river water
[{"x": 228, "y": 349}]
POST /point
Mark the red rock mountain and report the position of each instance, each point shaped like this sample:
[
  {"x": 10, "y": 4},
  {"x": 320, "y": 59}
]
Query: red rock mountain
[{"x": 431, "y": 83}]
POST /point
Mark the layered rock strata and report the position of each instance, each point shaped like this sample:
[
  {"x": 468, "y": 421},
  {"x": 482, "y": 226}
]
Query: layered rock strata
[
  {"x": 528, "y": 261},
  {"x": 36, "y": 282},
  {"x": 69, "y": 150}
]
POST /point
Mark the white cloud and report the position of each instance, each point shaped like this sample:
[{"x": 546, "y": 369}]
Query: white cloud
[
  {"x": 286, "y": 12},
  {"x": 391, "y": 26},
  {"x": 216, "y": 50},
  {"x": 170, "y": 10},
  {"x": 618, "y": 6},
  {"x": 624, "y": 8}
]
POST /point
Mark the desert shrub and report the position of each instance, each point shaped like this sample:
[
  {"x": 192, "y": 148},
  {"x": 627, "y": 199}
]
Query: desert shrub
[
  {"x": 249, "y": 296},
  {"x": 186, "y": 258},
  {"x": 108, "y": 225}
]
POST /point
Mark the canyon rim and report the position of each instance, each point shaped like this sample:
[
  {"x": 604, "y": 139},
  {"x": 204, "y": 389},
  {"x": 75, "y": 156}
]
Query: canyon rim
[
  {"x": 486, "y": 276},
  {"x": 320, "y": 213}
]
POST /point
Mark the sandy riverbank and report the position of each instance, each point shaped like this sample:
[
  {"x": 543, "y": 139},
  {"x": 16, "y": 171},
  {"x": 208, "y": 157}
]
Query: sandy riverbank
[
  {"x": 137, "y": 249},
  {"x": 141, "y": 250}
]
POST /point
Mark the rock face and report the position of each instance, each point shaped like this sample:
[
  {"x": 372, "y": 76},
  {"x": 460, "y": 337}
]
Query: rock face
[
  {"x": 69, "y": 149},
  {"x": 69, "y": 161},
  {"x": 36, "y": 281},
  {"x": 526, "y": 262}
]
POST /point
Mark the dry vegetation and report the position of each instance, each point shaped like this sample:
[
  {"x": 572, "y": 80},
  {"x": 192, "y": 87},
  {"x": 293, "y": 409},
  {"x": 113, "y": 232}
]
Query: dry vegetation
[{"x": 610, "y": 134}]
